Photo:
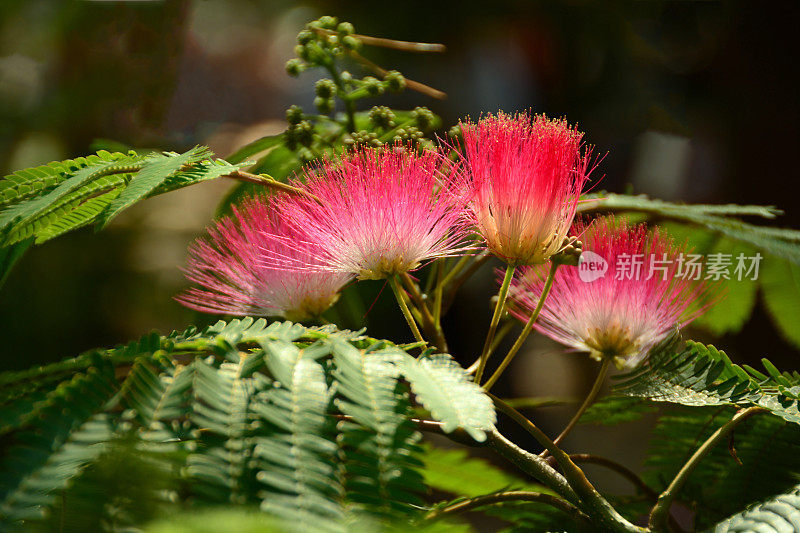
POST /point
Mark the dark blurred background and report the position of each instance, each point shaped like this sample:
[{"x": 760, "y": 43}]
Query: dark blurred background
[{"x": 690, "y": 100}]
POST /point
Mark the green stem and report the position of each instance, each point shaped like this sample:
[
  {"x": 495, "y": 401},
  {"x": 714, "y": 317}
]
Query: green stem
[
  {"x": 590, "y": 398},
  {"x": 508, "y": 496},
  {"x": 398, "y": 294},
  {"x": 660, "y": 512},
  {"x": 437, "y": 294},
  {"x": 504, "y": 330},
  {"x": 349, "y": 107},
  {"x": 432, "y": 329},
  {"x": 591, "y": 501},
  {"x": 531, "y": 464},
  {"x": 525, "y": 330},
  {"x": 498, "y": 312}
]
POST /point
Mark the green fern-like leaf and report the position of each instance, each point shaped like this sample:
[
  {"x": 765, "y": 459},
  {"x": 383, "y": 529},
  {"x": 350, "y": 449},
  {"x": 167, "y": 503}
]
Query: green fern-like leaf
[
  {"x": 700, "y": 375},
  {"x": 29, "y": 182},
  {"x": 297, "y": 457},
  {"x": 779, "y": 514},
  {"x": 78, "y": 217},
  {"x": 447, "y": 391},
  {"x": 760, "y": 459},
  {"x": 307, "y": 424},
  {"x": 223, "y": 464},
  {"x": 59, "y": 437},
  {"x": 154, "y": 171},
  {"x": 380, "y": 443}
]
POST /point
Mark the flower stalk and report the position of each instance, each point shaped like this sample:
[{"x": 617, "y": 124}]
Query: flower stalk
[
  {"x": 660, "y": 512},
  {"x": 526, "y": 330},
  {"x": 502, "y": 294}
]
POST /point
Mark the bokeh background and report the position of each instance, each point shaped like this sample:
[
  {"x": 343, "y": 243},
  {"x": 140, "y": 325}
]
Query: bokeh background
[{"x": 688, "y": 100}]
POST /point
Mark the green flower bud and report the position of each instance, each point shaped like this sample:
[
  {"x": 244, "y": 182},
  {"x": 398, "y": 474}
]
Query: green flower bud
[
  {"x": 423, "y": 117},
  {"x": 345, "y": 28},
  {"x": 303, "y": 132},
  {"x": 346, "y": 77},
  {"x": 294, "y": 115},
  {"x": 350, "y": 43},
  {"x": 395, "y": 81},
  {"x": 382, "y": 117},
  {"x": 325, "y": 88},
  {"x": 305, "y": 37},
  {"x": 327, "y": 22},
  {"x": 324, "y": 105},
  {"x": 294, "y": 67},
  {"x": 373, "y": 86},
  {"x": 305, "y": 155}
]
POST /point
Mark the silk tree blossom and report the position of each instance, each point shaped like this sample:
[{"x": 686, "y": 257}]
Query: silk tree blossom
[
  {"x": 616, "y": 312},
  {"x": 376, "y": 213},
  {"x": 524, "y": 177},
  {"x": 228, "y": 266}
]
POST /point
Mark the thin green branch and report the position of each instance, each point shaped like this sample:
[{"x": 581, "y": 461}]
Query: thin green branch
[
  {"x": 591, "y": 501},
  {"x": 431, "y": 327},
  {"x": 660, "y": 512},
  {"x": 270, "y": 182},
  {"x": 590, "y": 398},
  {"x": 398, "y": 293},
  {"x": 502, "y": 294},
  {"x": 508, "y": 496},
  {"x": 525, "y": 330}
]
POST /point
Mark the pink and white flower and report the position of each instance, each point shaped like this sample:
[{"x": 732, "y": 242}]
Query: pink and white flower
[
  {"x": 228, "y": 266},
  {"x": 524, "y": 177},
  {"x": 376, "y": 213},
  {"x": 624, "y": 312}
]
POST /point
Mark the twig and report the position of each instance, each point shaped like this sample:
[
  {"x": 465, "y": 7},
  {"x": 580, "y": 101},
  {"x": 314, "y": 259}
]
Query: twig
[
  {"x": 508, "y": 496},
  {"x": 272, "y": 183},
  {"x": 660, "y": 512},
  {"x": 411, "y": 84},
  {"x": 408, "y": 46},
  {"x": 591, "y": 501},
  {"x": 590, "y": 398}
]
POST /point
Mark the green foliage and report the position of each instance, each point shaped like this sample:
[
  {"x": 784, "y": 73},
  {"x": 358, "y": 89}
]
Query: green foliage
[
  {"x": 613, "y": 410},
  {"x": 311, "y": 425},
  {"x": 455, "y": 472},
  {"x": 379, "y": 441},
  {"x": 700, "y": 375},
  {"x": 778, "y": 514},
  {"x": 49, "y": 200},
  {"x": 448, "y": 392},
  {"x": 760, "y": 459},
  {"x": 780, "y": 286}
]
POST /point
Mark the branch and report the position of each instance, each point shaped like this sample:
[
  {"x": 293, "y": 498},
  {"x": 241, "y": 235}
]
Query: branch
[
  {"x": 408, "y": 46},
  {"x": 270, "y": 182},
  {"x": 411, "y": 84},
  {"x": 509, "y": 496},
  {"x": 591, "y": 501},
  {"x": 660, "y": 512}
]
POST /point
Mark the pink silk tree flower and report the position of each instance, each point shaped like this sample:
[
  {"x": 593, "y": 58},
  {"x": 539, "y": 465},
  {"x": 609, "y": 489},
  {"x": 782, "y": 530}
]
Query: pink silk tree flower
[
  {"x": 523, "y": 178},
  {"x": 625, "y": 296},
  {"x": 376, "y": 213},
  {"x": 228, "y": 266}
]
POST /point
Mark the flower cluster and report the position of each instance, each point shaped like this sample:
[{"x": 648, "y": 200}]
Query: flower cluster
[
  {"x": 524, "y": 179},
  {"x": 376, "y": 213},
  {"x": 611, "y": 316},
  {"x": 228, "y": 263}
]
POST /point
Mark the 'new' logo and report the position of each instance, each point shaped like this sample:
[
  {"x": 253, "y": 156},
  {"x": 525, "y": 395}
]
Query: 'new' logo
[{"x": 591, "y": 267}]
